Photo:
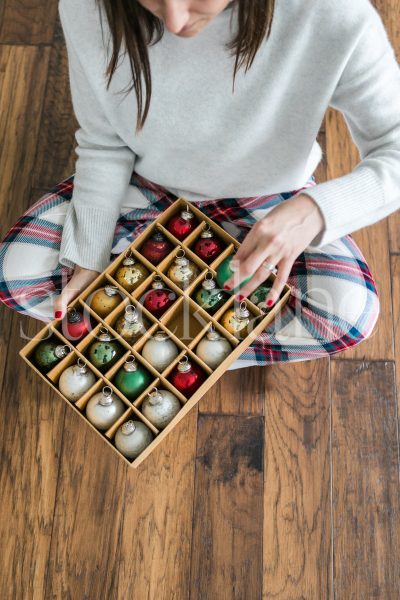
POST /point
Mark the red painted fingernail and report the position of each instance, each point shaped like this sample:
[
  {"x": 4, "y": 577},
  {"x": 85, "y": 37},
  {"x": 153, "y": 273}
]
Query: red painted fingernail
[
  {"x": 270, "y": 302},
  {"x": 227, "y": 287},
  {"x": 58, "y": 314},
  {"x": 240, "y": 297}
]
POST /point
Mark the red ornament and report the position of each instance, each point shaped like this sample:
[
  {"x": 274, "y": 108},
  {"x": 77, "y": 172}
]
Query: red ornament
[
  {"x": 182, "y": 224},
  {"x": 156, "y": 247},
  {"x": 208, "y": 246},
  {"x": 74, "y": 325},
  {"x": 159, "y": 299},
  {"x": 187, "y": 377}
]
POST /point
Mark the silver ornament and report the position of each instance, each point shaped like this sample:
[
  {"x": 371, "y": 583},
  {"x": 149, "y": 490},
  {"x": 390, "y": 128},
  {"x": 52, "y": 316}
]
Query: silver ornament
[
  {"x": 160, "y": 407},
  {"x": 160, "y": 350},
  {"x": 76, "y": 380},
  {"x": 104, "y": 408},
  {"x": 132, "y": 438},
  {"x": 213, "y": 348}
]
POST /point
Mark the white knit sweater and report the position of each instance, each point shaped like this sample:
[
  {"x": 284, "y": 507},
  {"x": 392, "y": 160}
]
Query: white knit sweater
[{"x": 202, "y": 141}]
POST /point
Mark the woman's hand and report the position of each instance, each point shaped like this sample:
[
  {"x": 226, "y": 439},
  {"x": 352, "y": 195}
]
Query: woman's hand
[
  {"x": 279, "y": 238},
  {"x": 80, "y": 279}
]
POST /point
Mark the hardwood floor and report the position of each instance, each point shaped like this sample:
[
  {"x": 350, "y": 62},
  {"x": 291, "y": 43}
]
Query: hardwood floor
[{"x": 298, "y": 499}]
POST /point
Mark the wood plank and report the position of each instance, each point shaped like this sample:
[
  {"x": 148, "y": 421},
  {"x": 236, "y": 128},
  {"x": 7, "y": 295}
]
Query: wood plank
[
  {"x": 366, "y": 494},
  {"x": 395, "y": 270},
  {"x": 297, "y": 509},
  {"x": 27, "y": 22},
  {"x": 155, "y": 539},
  {"x": 31, "y": 430},
  {"x": 343, "y": 156},
  {"x": 227, "y": 531},
  {"x": 84, "y": 554}
]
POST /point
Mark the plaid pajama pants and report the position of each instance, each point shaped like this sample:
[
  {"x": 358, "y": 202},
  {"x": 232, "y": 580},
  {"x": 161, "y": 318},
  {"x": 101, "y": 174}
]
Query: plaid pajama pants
[{"x": 334, "y": 304}]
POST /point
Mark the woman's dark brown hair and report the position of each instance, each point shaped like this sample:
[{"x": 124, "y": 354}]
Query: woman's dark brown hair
[{"x": 130, "y": 22}]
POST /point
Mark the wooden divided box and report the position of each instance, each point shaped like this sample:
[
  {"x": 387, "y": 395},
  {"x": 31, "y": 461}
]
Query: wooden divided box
[{"x": 185, "y": 323}]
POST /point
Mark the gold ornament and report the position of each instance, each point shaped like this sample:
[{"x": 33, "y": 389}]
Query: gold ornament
[
  {"x": 105, "y": 300},
  {"x": 182, "y": 271},
  {"x": 236, "y": 320},
  {"x": 131, "y": 274},
  {"x": 131, "y": 325}
]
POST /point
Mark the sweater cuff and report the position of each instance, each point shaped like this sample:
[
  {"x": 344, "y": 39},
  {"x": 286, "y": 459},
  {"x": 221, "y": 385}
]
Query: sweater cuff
[
  {"x": 87, "y": 237},
  {"x": 358, "y": 193}
]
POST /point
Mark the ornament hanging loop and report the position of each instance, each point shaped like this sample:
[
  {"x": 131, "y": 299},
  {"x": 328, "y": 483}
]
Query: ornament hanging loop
[{"x": 181, "y": 253}]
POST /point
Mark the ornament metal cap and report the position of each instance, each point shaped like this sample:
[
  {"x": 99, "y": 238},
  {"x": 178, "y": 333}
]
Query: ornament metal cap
[
  {"x": 73, "y": 316},
  {"x": 104, "y": 335},
  {"x": 111, "y": 290},
  {"x": 107, "y": 396},
  {"x": 128, "y": 428},
  {"x": 208, "y": 283},
  {"x": 181, "y": 260},
  {"x": 62, "y": 350},
  {"x": 131, "y": 314},
  {"x": 212, "y": 334},
  {"x": 158, "y": 236},
  {"x": 263, "y": 306},
  {"x": 242, "y": 312},
  {"x": 184, "y": 365},
  {"x": 82, "y": 366},
  {"x": 155, "y": 396},
  {"x": 207, "y": 232},
  {"x": 158, "y": 282},
  {"x": 186, "y": 214},
  {"x": 130, "y": 363},
  {"x": 161, "y": 336}
]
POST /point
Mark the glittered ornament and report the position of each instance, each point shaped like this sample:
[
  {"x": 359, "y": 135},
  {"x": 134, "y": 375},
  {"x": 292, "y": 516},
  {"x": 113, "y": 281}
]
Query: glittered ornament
[
  {"x": 132, "y": 438},
  {"x": 48, "y": 353},
  {"x": 76, "y": 380},
  {"x": 131, "y": 273},
  {"x": 182, "y": 271},
  {"x": 224, "y": 272},
  {"x": 104, "y": 409},
  {"x": 159, "y": 298},
  {"x": 160, "y": 407},
  {"x": 213, "y": 348},
  {"x": 208, "y": 296},
  {"x": 208, "y": 246},
  {"x": 236, "y": 320},
  {"x": 160, "y": 350},
  {"x": 105, "y": 351},
  {"x": 105, "y": 300},
  {"x": 75, "y": 325},
  {"x": 156, "y": 247},
  {"x": 260, "y": 294},
  {"x": 187, "y": 377},
  {"x": 132, "y": 378},
  {"x": 131, "y": 325},
  {"x": 181, "y": 224}
]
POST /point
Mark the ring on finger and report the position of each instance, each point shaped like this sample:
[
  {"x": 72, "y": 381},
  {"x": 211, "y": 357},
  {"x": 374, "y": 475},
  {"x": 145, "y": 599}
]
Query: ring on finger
[{"x": 269, "y": 267}]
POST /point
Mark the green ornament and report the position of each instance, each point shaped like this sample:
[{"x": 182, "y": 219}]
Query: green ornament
[
  {"x": 48, "y": 353},
  {"x": 224, "y": 272},
  {"x": 104, "y": 352},
  {"x": 260, "y": 293},
  {"x": 209, "y": 297},
  {"x": 132, "y": 379}
]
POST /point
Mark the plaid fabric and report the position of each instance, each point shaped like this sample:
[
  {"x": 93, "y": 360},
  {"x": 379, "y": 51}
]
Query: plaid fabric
[{"x": 334, "y": 304}]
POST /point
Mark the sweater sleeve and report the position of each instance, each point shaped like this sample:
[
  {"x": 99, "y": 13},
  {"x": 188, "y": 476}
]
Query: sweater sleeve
[
  {"x": 368, "y": 96},
  {"x": 102, "y": 174}
]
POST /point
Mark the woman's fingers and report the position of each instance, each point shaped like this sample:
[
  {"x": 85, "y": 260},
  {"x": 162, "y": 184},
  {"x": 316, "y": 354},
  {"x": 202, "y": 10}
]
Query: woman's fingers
[
  {"x": 260, "y": 275},
  {"x": 281, "y": 278},
  {"x": 78, "y": 282}
]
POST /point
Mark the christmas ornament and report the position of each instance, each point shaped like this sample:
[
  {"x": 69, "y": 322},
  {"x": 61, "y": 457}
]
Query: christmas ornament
[
  {"x": 224, "y": 272},
  {"x": 131, "y": 325},
  {"x": 213, "y": 348},
  {"x": 187, "y": 377},
  {"x": 131, "y": 273},
  {"x": 105, "y": 300},
  {"x": 160, "y": 407},
  {"x": 132, "y": 378},
  {"x": 132, "y": 438},
  {"x": 260, "y": 293},
  {"x": 104, "y": 352},
  {"x": 48, "y": 353},
  {"x": 159, "y": 298},
  {"x": 208, "y": 246},
  {"x": 180, "y": 225},
  {"x": 236, "y": 320},
  {"x": 76, "y": 380},
  {"x": 182, "y": 271},
  {"x": 75, "y": 325},
  {"x": 156, "y": 247},
  {"x": 160, "y": 351},
  {"x": 104, "y": 408},
  {"x": 208, "y": 296}
]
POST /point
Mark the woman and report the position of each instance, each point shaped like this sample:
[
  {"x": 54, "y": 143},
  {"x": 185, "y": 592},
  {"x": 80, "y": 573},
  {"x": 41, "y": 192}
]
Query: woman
[{"x": 228, "y": 98}]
